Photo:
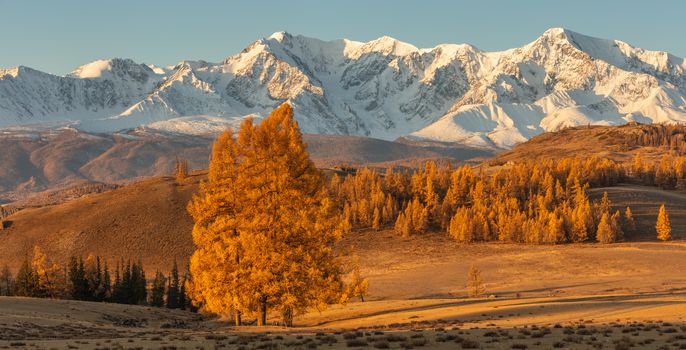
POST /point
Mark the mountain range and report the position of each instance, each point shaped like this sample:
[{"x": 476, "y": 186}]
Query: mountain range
[{"x": 382, "y": 89}]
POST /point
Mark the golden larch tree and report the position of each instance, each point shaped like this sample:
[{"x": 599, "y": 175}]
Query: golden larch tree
[
  {"x": 606, "y": 231},
  {"x": 264, "y": 226},
  {"x": 629, "y": 223},
  {"x": 475, "y": 286},
  {"x": 663, "y": 227}
]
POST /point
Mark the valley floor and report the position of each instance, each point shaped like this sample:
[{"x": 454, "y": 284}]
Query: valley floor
[{"x": 538, "y": 296}]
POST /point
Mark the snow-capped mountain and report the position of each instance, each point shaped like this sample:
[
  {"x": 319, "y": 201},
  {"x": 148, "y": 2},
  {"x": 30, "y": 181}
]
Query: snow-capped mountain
[{"x": 383, "y": 89}]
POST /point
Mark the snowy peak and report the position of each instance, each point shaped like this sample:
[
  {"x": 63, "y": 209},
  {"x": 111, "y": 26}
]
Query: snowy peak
[
  {"x": 383, "y": 88},
  {"x": 615, "y": 52},
  {"x": 112, "y": 68}
]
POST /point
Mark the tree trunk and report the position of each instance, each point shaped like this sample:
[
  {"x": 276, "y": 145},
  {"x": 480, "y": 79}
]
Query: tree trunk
[
  {"x": 262, "y": 317},
  {"x": 237, "y": 317}
]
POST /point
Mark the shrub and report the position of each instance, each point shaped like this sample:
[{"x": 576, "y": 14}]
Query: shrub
[
  {"x": 470, "y": 344},
  {"x": 418, "y": 342},
  {"x": 356, "y": 343},
  {"x": 381, "y": 344}
]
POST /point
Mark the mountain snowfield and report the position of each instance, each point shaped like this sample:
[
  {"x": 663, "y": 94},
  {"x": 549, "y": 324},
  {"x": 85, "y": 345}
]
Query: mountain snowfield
[{"x": 383, "y": 89}]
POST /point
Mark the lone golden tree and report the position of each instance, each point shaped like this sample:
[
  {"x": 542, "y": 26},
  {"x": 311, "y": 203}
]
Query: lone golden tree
[
  {"x": 180, "y": 169},
  {"x": 475, "y": 285},
  {"x": 358, "y": 286},
  {"x": 663, "y": 227},
  {"x": 264, "y": 226}
]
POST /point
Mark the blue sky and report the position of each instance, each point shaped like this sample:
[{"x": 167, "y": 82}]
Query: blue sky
[{"x": 56, "y": 36}]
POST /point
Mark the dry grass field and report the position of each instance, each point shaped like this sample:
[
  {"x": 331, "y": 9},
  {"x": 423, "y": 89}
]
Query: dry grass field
[{"x": 537, "y": 296}]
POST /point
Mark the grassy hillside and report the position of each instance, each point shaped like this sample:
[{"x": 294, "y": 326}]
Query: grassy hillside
[
  {"x": 618, "y": 143},
  {"x": 146, "y": 220}
]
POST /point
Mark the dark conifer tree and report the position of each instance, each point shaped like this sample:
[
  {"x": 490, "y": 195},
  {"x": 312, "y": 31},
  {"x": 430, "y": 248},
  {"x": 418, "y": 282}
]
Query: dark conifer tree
[
  {"x": 127, "y": 296},
  {"x": 6, "y": 282},
  {"x": 26, "y": 283},
  {"x": 106, "y": 288},
  {"x": 173, "y": 289},
  {"x": 157, "y": 292},
  {"x": 79, "y": 289},
  {"x": 183, "y": 298},
  {"x": 117, "y": 286}
]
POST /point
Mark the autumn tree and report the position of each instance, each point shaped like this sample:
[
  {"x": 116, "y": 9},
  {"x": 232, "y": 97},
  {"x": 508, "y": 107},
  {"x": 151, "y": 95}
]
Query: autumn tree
[
  {"x": 48, "y": 274},
  {"x": 180, "y": 169},
  {"x": 357, "y": 288},
  {"x": 628, "y": 222},
  {"x": 475, "y": 285},
  {"x": 264, "y": 225},
  {"x": 605, "y": 233},
  {"x": 663, "y": 227},
  {"x": 376, "y": 220}
]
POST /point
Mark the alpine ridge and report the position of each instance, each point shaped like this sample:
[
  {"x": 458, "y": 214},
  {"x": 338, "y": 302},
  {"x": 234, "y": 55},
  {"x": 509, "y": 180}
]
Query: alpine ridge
[{"x": 383, "y": 89}]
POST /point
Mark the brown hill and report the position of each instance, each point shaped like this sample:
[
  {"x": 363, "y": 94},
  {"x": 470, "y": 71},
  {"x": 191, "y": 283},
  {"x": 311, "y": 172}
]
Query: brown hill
[
  {"x": 42, "y": 161},
  {"x": 146, "y": 220},
  {"x": 618, "y": 143},
  {"x": 57, "y": 159}
]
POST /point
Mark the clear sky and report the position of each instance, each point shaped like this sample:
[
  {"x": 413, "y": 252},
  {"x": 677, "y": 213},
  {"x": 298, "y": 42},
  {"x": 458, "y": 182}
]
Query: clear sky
[{"x": 56, "y": 36}]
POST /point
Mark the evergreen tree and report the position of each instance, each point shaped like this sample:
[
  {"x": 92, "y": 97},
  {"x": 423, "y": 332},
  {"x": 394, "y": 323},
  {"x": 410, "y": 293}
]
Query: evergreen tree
[
  {"x": 93, "y": 276},
  {"x": 6, "y": 281},
  {"x": 105, "y": 293},
  {"x": 77, "y": 277},
  {"x": 26, "y": 282},
  {"x": 127, "y": 283},
  {"x": 173, "y": 290},
  {"x": 138, "y": 285},
  {"x": 264, "y": 226},
  {"x": 157, "y": 292},
  {"x": 663, "y": 227},
  {"x": 183, "y": 297},
  {"x": 117, "y": 287}
]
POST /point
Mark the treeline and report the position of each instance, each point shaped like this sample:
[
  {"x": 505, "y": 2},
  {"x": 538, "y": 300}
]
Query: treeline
[
  {"x": 535, "y": 201},
  {"x": 669, "y": 173},
  {"x": 670, "y": 136},
  {"x": 5, "y": 211},
  {"x": 91, "y": 279}
]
